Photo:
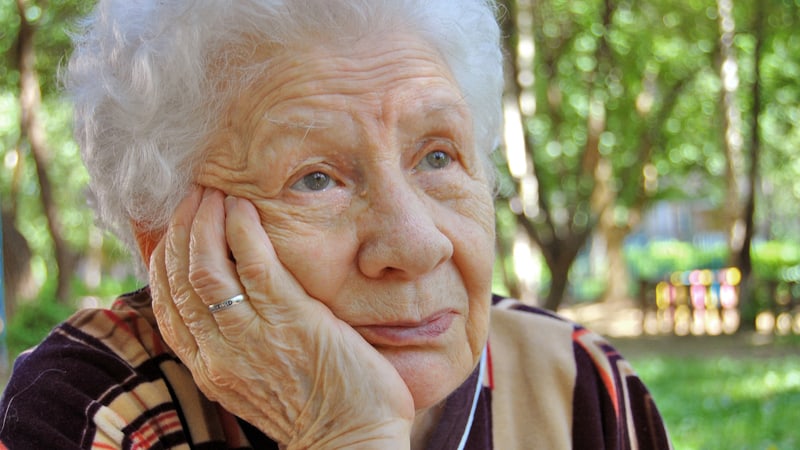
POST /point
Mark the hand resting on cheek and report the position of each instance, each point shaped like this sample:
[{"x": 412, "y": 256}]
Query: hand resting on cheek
[{"x": 280, "y": 359}]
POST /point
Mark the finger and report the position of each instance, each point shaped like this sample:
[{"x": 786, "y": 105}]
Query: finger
[
  {"x": 170, "y": 323},
  {"x": 194, "y": 312},
  {"x": 272, "y": 290},
  {"x": 212, "y": 272}
]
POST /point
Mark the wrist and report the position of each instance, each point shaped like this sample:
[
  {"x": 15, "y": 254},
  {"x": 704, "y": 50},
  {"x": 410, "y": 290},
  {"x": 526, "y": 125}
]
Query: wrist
[{"x": 388, "y": 435}]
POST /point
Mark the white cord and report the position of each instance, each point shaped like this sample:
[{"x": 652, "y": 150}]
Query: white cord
[{"x": 478, "y": 388}]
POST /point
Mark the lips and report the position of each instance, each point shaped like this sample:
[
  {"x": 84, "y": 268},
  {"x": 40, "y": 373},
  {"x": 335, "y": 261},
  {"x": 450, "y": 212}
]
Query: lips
[{"x": 399, "y": 334}]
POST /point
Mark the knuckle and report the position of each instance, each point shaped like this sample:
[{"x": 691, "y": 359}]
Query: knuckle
[
  {"x": 195, "y": 317},
  {"x": 203, "y": 277},
  {"x": 256, "y": 270},
  {"x": 218, "y": 376}
]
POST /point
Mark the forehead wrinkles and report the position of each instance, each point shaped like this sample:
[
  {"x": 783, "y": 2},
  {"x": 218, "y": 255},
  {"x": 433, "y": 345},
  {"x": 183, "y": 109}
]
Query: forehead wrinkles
[
  {"x": 321, "y": 118},
  {"x": 392, "y": 87},
  {"x": 352, "y": 69},
  {"x": 298, "y": 124},
  {"x": 399, "y": 117}
]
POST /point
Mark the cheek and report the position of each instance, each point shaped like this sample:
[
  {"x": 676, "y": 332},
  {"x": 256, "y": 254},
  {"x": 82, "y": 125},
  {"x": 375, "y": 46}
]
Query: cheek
[
  {"x": 473, "y": 235},
  {"x": 478, "y": 326},
  {"x": 474, "y": 258},
  {"x": 478, "y": 282},
  {"x": 318, "y": 258}
]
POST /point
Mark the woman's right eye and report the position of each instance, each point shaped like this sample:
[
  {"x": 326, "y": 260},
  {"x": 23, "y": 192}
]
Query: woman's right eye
[{"x": 314, "y": 182}]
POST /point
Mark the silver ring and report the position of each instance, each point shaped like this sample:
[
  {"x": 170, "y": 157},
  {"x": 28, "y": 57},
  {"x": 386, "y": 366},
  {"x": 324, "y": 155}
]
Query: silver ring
[{"x": 225, "y": 304}]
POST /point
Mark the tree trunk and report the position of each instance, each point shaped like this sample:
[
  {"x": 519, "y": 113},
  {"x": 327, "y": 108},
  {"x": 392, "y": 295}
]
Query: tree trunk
[
  {"x": 559, "y": 280},
  {"x": 731, "y": 129},
  {"x": 509, "y": 279},
  {"x": 513, "y": 90},
  {"x": 744, "y": 259},
  {"x": 32, "y": 131},
  {"x": 17, "y": 278},
  {"x": 618, "y": 277}
]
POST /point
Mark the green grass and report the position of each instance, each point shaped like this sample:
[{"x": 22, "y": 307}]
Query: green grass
[{"x": 727, "y": 403}]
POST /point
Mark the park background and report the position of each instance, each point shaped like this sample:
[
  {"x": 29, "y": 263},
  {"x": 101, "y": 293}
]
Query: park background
[{"x": 648, "y": 186}]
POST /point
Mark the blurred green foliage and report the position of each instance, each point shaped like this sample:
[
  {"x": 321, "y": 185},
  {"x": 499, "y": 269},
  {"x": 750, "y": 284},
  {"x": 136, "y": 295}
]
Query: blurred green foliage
[
  {"x": 622, "y": 108},
  {"x": 19, "y": 183},
  {"x": 33, "y": 321},
  {"x": 774, "y": 262},
  {"x": 658, "y": 259},
  {"x": 34, "y": 318}
]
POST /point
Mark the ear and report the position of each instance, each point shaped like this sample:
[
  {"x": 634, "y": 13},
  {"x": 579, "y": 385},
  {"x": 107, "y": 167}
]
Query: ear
[{"x": 147, "y": 240}]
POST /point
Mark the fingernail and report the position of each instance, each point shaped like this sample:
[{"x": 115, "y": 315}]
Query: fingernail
[
  {"x": 230, "y": 202},
  {"x": 208, "y": 192}
]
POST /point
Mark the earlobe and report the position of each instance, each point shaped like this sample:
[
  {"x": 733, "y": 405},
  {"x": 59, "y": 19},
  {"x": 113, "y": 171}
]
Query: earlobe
[{"x": 147, "y": 240}]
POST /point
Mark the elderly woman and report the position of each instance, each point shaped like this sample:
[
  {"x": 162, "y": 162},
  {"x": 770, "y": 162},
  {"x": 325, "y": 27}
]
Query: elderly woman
[{"x": 309, "y": 185}]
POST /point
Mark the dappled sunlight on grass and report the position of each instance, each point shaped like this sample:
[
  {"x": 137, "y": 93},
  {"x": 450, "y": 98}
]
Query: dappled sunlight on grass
[{"x": 725, "y": 402}]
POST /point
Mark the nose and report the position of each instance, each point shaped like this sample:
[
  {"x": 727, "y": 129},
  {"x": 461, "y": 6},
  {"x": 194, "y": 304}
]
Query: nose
[{"x": 400, "y": 237}]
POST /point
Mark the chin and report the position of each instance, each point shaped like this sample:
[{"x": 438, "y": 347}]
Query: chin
[{"x": 432, "y": 375}]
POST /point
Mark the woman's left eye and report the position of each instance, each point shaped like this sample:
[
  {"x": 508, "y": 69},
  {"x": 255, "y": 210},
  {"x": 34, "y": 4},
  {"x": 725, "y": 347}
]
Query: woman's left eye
[
  {"x": 314, "y": 182},
  {"x": 434, "y": 160}
]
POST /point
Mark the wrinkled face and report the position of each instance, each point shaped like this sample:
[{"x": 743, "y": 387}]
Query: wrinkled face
[{"x": 361, "y": 162}]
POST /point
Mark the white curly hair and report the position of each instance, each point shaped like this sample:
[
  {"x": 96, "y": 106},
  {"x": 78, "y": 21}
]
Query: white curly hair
[{"x": 148, "y": 78}]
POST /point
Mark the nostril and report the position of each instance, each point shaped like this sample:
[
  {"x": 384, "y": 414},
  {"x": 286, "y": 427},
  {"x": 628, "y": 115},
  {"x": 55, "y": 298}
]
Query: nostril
[
  {"x": 399, "y": 232},
  {"x": 404, "y": 255}
]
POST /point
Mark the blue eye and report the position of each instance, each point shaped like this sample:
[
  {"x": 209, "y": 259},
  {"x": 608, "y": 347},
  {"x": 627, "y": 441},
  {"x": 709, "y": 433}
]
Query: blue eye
[
  {"x": 436, "y": 160},
  {"x": 314, "y": 182}
]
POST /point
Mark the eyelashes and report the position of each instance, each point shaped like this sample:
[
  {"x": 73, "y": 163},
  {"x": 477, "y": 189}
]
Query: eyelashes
[
  {"x": 435, "y": 160},
  {"x": 436, "y": 155},
  {"x": 317, "y": 181}
]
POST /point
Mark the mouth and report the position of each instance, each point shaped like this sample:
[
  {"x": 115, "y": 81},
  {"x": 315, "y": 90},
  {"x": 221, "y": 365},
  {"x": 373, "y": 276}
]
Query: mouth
[{"x": 401, "y": 334}]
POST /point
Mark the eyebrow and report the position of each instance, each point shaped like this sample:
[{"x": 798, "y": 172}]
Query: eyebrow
[
  {"x": 446, "y": 106},
  {"x": 448, "y": 110}
]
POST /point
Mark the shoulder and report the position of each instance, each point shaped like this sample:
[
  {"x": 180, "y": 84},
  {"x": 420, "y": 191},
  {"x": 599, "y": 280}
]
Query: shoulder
[
  {"x": 531, "y": 336},
  {"x": 540, "y": 357},
  {"x": 531, "y": 325},
  {"x": 118, "y": 339},
  {"x": 100, "y": 366},
  {"x": 512, "y": 310},
  {"x": 527, "y": 341},
  {"x": 527, "y": 327}
]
